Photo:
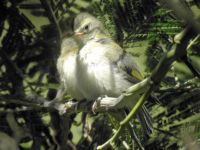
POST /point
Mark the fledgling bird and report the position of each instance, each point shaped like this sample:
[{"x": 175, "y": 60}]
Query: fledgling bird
[
  {"x": 67, "y": 68},
  {"x": 99, "y": 66}
]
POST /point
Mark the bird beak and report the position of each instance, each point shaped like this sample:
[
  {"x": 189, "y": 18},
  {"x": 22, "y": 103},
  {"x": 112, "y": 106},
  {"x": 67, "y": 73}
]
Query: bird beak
[{"x": 78, "y": 33}]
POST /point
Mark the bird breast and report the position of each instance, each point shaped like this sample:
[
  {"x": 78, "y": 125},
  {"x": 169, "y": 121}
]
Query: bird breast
[
  {"x": 67, "y": 68},
  {"x": 98, "y": 75}
]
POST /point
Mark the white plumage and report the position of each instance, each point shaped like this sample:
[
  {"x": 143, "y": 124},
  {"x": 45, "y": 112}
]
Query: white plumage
[
  {"x": 98, "y": 68},
  {"x": 67, "y": 68},
  {"x": 97, "y": 73}
]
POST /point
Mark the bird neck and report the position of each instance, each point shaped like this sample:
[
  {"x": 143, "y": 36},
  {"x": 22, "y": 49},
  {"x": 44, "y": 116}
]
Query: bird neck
[
  {"x": 97, "y": 35},
  {"x": 100, "y": 36}
]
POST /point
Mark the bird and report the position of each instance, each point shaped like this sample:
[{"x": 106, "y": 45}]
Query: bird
[
  {"x": 67, "y": 69},
  {"x": 92, "y": 65}
]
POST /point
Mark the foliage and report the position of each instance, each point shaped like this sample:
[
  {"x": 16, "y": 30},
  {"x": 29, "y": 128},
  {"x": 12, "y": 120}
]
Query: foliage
[{"x": 30, "y": 37}]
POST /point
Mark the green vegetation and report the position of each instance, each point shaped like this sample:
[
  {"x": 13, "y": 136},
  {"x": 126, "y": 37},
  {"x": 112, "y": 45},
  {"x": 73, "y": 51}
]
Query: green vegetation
[{"x": 30, "y": 36}]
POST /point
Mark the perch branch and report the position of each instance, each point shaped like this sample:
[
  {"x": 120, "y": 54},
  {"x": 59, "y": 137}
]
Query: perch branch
[
  {"x": 110, "y": 103},
  {"x": 186, "y": 59},
  {"x": 101, "y": 105}
]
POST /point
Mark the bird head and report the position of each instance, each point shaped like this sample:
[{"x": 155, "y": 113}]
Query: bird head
[
  {"x": 68, "y": 45},
  {"x": 86, "y": 27}
]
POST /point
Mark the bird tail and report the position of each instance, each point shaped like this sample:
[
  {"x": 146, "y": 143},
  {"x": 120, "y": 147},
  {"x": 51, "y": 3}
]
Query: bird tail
[{"x": 145, "y": 120}]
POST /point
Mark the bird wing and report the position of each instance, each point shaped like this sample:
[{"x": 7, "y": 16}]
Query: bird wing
[
  {"x": 127, "y": 63},
  {"x": 124, "y": 61}
]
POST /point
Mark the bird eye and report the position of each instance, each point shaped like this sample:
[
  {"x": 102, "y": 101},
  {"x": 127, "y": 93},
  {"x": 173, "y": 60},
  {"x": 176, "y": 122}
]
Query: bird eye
[{"x": 86, "y": 27}]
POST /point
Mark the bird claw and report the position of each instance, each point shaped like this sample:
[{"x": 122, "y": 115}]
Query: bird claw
[
  {"x": 97, "y": 103},
  {"x": 47, "y": 103}
]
